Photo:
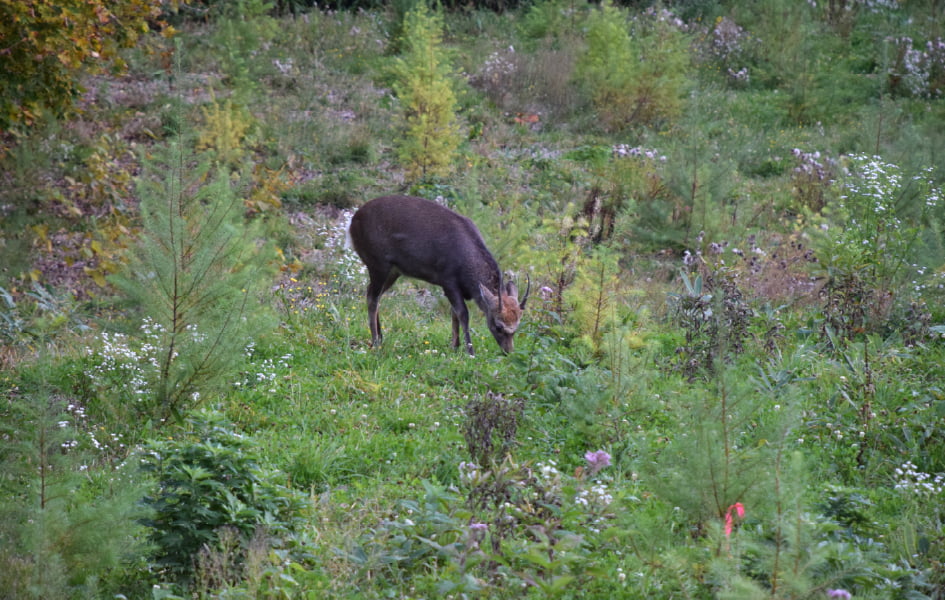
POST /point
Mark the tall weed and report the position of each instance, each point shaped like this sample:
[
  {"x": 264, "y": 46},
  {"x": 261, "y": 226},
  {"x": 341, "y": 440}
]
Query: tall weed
[{"x": 874, "y": 242}]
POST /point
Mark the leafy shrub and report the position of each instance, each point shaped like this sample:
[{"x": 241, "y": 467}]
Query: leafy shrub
[
  {"x": 542, "y": 524},
  {"x": 634, "y": 71},
  {"x": 210, "y": 481},
  {"x": 395, "y": 546},
  {"x": 536, "y": 528},
  {"x": 49, "y": 42}
]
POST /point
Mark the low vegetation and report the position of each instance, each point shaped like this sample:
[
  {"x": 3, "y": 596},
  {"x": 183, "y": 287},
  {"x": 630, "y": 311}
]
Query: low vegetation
[{"x": 727, "y": 382}]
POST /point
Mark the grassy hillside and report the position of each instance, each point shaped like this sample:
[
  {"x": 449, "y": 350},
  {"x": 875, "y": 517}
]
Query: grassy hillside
[{"x": 728, "y": 379}]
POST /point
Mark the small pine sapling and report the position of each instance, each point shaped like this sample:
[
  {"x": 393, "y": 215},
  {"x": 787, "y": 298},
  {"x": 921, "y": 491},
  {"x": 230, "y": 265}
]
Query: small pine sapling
[{"x": 426, "y": 93}]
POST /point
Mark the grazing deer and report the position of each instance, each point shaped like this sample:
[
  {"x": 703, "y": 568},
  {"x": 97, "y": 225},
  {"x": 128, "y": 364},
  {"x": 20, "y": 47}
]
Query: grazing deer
[{"x": 403, "y": 235}]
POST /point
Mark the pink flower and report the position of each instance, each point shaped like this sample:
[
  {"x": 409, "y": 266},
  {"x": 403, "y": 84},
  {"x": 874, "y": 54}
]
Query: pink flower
[
  {"x": 843, "y": 594},
  {"x": 597, "y": 460},
  {"x": 739, "y": 509}
]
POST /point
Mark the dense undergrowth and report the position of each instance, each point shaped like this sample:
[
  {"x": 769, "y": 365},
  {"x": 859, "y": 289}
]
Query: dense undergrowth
[{"x": 728, "y": 380}]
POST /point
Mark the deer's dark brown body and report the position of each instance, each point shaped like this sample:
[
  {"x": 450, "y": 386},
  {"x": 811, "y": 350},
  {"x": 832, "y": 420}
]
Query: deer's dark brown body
[{"x": 404, "y": 235}]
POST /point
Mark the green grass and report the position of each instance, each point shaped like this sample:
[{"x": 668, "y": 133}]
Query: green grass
[{"x": 738, "y": 391}]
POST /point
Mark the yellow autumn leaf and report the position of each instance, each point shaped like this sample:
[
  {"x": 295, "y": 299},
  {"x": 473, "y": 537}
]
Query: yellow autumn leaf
[
  {"x": 41, "y": 230},
  {"x": 97, "y": 276}
]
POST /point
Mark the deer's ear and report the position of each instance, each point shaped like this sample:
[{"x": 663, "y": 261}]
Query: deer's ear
[{"x": 487, "y": 296}]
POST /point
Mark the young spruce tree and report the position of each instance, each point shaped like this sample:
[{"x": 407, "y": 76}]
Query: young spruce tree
[
  {"x": 66, "y": 520},
  {"x": 426, "y": 93},
  {"x": 194, "y": 274}
]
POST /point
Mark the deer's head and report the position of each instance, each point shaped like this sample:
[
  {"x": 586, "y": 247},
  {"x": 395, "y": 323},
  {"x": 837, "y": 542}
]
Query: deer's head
[{"x": 503, "y": 312}]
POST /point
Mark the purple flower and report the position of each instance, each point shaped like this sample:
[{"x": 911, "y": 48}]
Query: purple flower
[
  {"x": 597, "y": 460},
  {"x": 845, "y": 595},
  {"x": 478, "y": 526}
]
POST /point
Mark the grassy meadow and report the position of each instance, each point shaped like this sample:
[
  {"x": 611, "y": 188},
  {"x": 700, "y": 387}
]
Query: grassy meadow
[{"x": 728, "y": 381}]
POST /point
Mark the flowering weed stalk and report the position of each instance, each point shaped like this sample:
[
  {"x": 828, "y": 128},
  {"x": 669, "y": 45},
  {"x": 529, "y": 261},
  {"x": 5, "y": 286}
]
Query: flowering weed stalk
[
  {"x": 911, "y": 479},
  {"x": 918, "y": 71},
  {"x": 873, "y": 242},
  {"x": 347, "y": 268},
  {"x": 878, "y": 217},
  {"x": 124, "y": 368}
]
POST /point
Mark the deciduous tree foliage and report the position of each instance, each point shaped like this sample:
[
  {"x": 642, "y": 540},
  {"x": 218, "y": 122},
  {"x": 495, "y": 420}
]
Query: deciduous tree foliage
[{"x": 46, "y": 44}]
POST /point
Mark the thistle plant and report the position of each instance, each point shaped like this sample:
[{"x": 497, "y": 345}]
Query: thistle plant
[
  {"x": 491, "y": 424},
  {"x": 730, "y": 47},
  {"x": 714, "y": 315},
  {"x": 813, "y": 178}
]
